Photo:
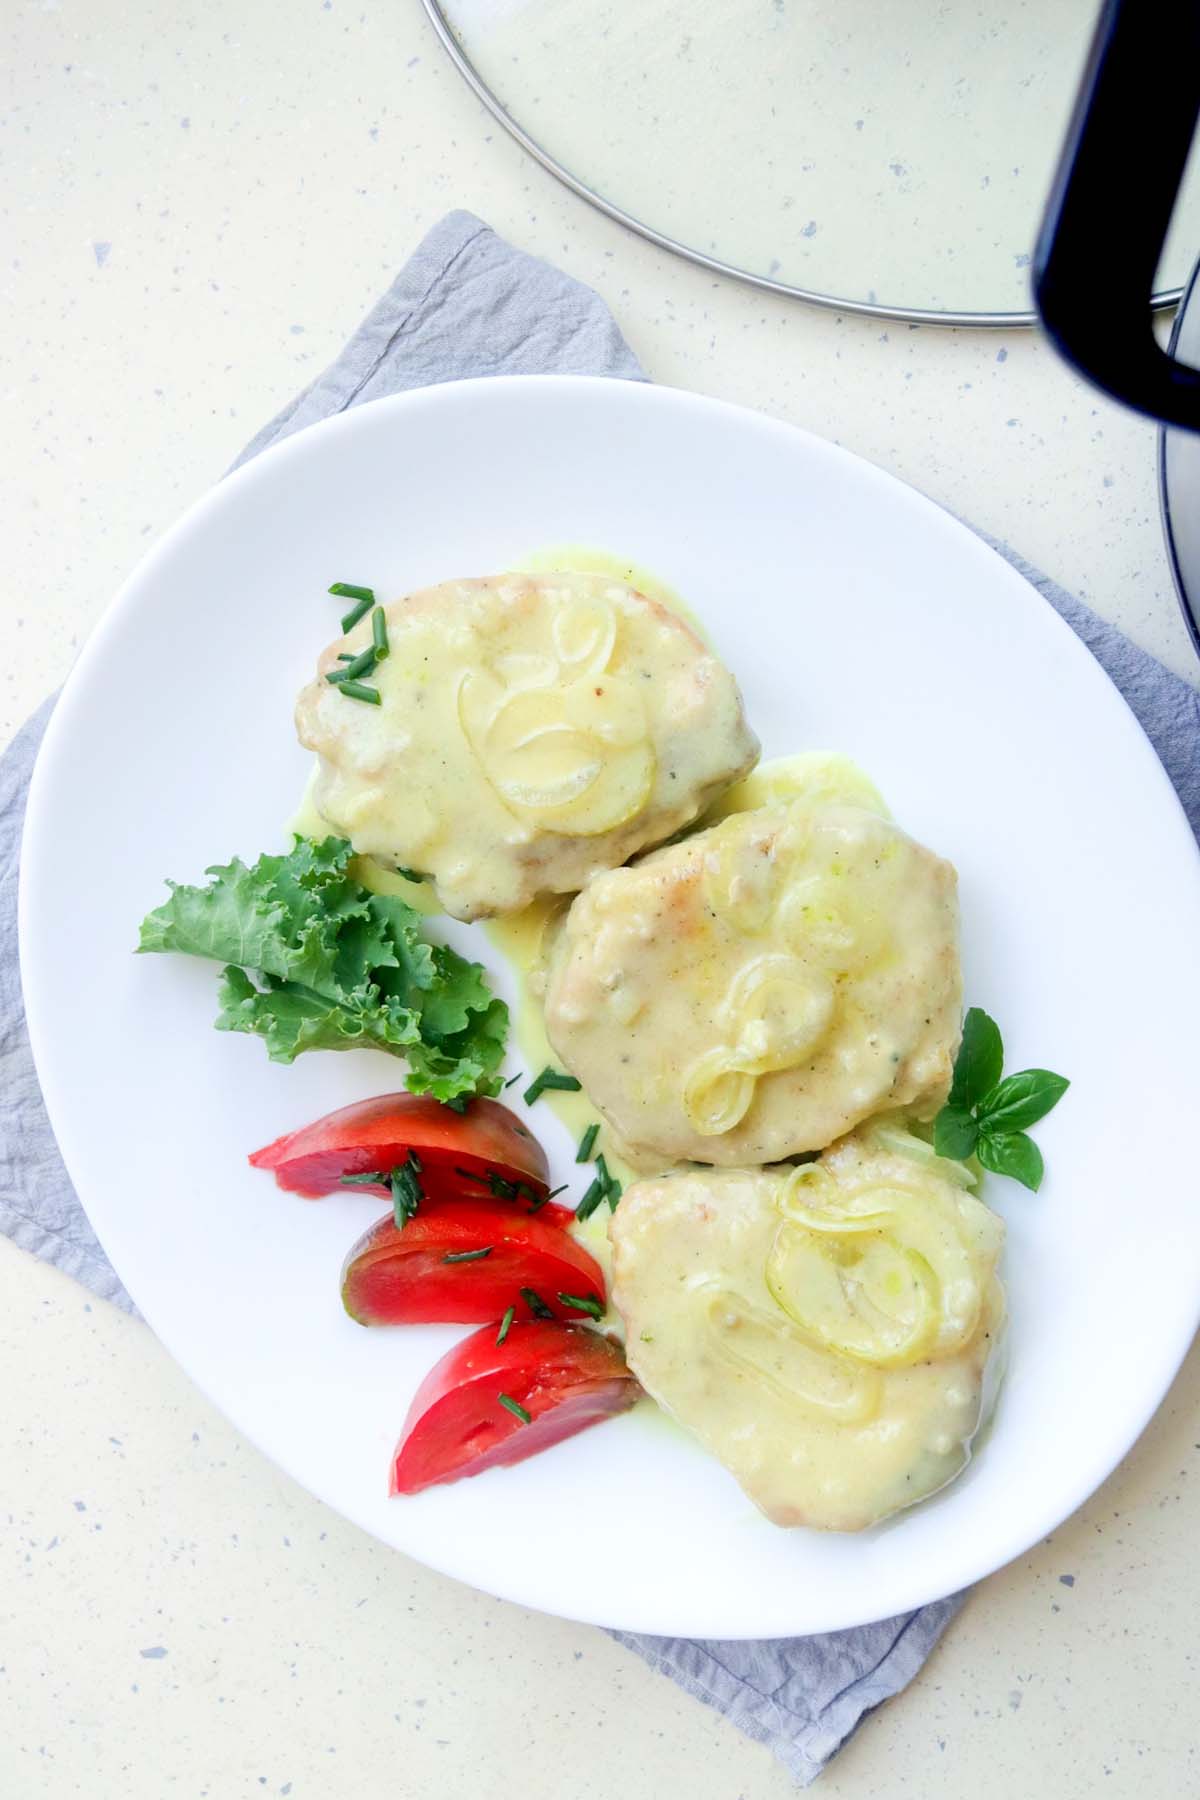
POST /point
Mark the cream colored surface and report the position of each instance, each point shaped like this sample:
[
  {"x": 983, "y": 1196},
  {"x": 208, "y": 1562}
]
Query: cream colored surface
[
  {"x": 824, "y": 1332},
  {"x": 758, "y": 989},
  {"x": 530, "y": 731},
  {"x": 197, "y": 210}
]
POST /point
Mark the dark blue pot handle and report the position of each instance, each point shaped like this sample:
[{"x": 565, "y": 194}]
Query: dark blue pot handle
[{"x": 1110, "y": 205}]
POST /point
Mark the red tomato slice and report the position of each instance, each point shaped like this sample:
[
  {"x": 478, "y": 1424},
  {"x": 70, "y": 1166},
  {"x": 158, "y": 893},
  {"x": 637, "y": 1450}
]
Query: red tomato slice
[
  {"x": 484, "y": 1140},
  {"x": 403, "y": 1277},
  {"x": 564, "y": 1377}
]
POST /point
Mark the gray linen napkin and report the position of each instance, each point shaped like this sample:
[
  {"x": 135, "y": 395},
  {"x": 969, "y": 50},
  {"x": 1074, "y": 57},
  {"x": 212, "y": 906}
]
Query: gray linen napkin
[{"x": 469, "y": 304}]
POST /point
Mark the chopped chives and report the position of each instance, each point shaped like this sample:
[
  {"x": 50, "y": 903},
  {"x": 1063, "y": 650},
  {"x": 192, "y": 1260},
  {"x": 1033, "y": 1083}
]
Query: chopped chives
[
  {"x": 411, "y": 874},
  {"x": 379, "y": 633},
  {"x": 550, "y": 1078},
  {"x": 536, "y": 1304},
  {"x": 345, "y": 656},
  {"x": 602, "y": 1172},
  {"x": 510, "y": 1314},
  {"x": 356, "y": 691},
  {"x": 363, "y": 597},
  {"x": 407, "y": 1192},
  {"x": 587, "y": 1143},
  {"x": 357, "y": 612},
  {"x": 615, "y": 1190},
  {"x": 591, "y": 1200},
  {"x": 536, "y": 1200},
  {"x": 513, "y": 1078},
  {"x": 362, "y": 664},
  {"x": 371, "y": 1178},
  {"x": 456, "y": 1256},
  {"x": 515, "y": 1408},
  {"x": 584, "y": 1303},
  {"x": 500, "y": 1188}
]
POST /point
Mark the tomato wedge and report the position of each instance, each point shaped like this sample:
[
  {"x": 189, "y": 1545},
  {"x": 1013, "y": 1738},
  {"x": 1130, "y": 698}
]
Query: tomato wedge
[
  {"x": 460, "y": 1262},
  {"x": 487, "y": 1404},
  {"x": 460, "y": 1153}
]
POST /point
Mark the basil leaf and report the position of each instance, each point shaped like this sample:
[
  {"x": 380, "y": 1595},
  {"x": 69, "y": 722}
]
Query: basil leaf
[
  {"x": 955, "y": 1133},
  {"x": 980, "y": 1059},
  {"x": 1021, "y": 1100},
  {"x": 1012, "y": 1153}
]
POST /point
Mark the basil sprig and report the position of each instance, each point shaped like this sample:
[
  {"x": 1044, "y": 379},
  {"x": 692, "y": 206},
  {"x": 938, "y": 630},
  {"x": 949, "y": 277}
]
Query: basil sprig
[{"x": 988, "y": 1113}]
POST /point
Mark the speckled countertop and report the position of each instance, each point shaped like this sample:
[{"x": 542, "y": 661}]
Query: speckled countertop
[{"x": 198, "y": 205}]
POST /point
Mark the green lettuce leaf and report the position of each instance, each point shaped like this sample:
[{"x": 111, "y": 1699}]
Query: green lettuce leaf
[{"x": 315, "y": 961}]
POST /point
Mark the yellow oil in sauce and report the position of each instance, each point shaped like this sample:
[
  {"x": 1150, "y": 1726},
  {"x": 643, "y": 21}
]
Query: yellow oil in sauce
[
  {"x": 307, "y": 822},
  {"x": 586, "y": 559},
  {"x": 821, "y": 777}
]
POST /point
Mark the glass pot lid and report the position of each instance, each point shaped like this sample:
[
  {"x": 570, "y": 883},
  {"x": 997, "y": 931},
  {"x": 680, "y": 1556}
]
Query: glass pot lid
[{"x": 889, "y": 159}]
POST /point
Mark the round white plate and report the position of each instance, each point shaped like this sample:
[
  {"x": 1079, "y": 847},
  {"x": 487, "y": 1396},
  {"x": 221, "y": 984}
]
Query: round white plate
[{"x": 856, "y": 615}]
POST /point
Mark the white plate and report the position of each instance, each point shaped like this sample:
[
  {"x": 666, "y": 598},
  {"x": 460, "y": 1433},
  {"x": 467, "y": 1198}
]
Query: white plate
[{"x": 856, "y": 615}]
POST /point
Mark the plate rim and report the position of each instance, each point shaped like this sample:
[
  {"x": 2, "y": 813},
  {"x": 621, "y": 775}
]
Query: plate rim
[{"x": 963, "y": 1570}]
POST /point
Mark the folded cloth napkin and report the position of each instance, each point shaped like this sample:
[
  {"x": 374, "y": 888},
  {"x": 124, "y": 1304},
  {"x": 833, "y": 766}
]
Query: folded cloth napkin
[{"x": 469, "y": 304}]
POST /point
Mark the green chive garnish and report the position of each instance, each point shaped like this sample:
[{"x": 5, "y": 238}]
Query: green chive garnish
[
  {"x": 536, "y": 1304},
  {"x": 372, "y": 1178},
  {"x": 407, "y": 1192},
  {"x": 550, "y": 1078},
  {"x": 355, "y": 690},
  {"x": 584, "y": 1303},
  {"x": 513, "y": 1078},
  {"x": 345, "y": 656},
  {"x": 536, "y": 1200},
  {"x": 591, "y": 1200},
  {"x": 615, "y": 1190},
  {"x": 587, "y": 1143},
  {"x": 411, "y": 874},
  {"x": 362, "y": 664},
  {"x": 510, "y": 1314},
  {"x": 515, "y": 1408},
  {"x": 453, "y": 1256},
  {"x": 350, "y": 619},
  {"x": 379, "y": 633},
  {"x": 501, "y": 1188},
  {"x": 363, "y": 597},
  {"x": 602, "y": 1172}
]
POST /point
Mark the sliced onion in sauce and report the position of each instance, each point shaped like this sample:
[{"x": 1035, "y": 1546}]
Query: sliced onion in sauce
[
  {"x": 777, "y": 1010},
  {"x": 894, "y": 1136},
  {"x": 950, "y": 1233},
  {"x": 716, "y": 1096},
  {"x": 762, "y": 1345},
  {"x": 610, "y": 707},
  {"x": 862, "y": 1295},
  {"x": 584, "y": 631}
]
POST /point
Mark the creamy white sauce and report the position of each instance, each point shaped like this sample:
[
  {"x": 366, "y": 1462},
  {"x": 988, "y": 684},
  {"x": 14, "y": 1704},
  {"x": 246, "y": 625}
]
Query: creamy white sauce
[
  {"x": 756, "y": 990},
  {"x": 825, "y": 1332},
  {"x": 532, "y": 730}
]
